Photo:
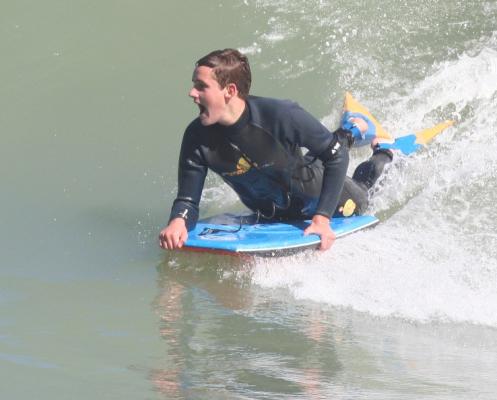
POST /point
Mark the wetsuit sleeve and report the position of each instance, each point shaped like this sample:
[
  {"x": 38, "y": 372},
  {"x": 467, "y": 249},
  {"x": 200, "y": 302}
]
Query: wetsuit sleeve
[
  {"x": 322, "y": 143},
  {"x": 191, "y": 177},
  {"x": 335, "y": 170}
]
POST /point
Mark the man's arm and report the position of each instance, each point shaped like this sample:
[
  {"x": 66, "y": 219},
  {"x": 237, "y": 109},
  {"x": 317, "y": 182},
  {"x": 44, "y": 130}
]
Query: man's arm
[
  {"x": 184, "y": 212},
  {"x": 335, "y": 170},
  {"x": 333, "y": 179}
]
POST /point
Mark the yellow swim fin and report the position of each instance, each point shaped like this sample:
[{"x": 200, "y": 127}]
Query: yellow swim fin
[{"x": 351, "y": 107}]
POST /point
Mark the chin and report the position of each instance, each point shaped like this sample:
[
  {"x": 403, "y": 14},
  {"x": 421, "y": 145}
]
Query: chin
[{"x": 206, "y": 121}]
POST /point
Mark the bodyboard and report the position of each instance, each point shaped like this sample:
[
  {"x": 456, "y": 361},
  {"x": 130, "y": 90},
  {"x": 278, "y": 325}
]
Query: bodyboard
[{"x": 227, "y": 234}]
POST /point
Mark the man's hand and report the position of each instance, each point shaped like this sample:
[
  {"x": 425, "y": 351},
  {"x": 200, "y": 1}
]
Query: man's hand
[
  {"x": 320, "y": 225},
  {"x": 174, "y": 235}
]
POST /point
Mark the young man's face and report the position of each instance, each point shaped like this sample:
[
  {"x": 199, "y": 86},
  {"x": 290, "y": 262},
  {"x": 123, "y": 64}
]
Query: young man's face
[{"x": 208, "y": 95}]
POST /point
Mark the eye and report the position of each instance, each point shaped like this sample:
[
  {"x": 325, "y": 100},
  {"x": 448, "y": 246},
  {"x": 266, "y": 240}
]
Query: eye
[{"x": 199, "y": 85}]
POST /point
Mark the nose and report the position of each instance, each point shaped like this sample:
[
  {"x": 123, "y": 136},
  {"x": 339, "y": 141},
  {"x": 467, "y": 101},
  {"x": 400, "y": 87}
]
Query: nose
[{"x": 193, "y": 93}]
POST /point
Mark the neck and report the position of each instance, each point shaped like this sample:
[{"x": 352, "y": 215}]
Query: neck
[{"x": 234, "y": 110}]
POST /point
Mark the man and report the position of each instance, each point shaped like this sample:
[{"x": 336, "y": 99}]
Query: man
[{"x": 255, "y": 144}]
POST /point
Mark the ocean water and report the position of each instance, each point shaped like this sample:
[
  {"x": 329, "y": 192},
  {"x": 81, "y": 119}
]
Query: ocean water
[{"x": 93, "y": 105}]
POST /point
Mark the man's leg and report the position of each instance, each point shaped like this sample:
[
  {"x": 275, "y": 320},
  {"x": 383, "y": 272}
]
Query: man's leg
[
  {"x": 369, "y": 171},
  {"x": 354, "y": 197}
]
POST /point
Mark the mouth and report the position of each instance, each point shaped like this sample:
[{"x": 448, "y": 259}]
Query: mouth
[{"x": 203, "y": 109}]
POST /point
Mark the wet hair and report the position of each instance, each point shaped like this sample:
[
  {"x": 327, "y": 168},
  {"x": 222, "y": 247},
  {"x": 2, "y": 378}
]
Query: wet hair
[{"x": 229, "y": 66}]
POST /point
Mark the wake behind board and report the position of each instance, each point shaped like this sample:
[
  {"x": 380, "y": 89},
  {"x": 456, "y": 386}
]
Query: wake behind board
[{"x": 226, "y": 235}]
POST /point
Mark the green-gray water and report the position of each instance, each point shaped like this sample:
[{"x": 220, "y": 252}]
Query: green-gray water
[{"x": 93, "y": 104}]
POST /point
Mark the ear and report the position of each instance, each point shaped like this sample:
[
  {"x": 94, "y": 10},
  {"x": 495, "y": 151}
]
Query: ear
[{"x": 231, "y": 90}]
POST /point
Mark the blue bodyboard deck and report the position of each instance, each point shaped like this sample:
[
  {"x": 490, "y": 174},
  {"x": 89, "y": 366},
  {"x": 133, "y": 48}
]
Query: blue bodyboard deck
[{"x": 224, "y": 234}]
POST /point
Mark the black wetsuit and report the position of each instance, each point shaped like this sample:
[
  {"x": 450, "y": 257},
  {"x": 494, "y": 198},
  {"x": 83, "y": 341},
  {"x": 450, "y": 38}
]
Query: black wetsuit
[{"x": 261, "y": 158}]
